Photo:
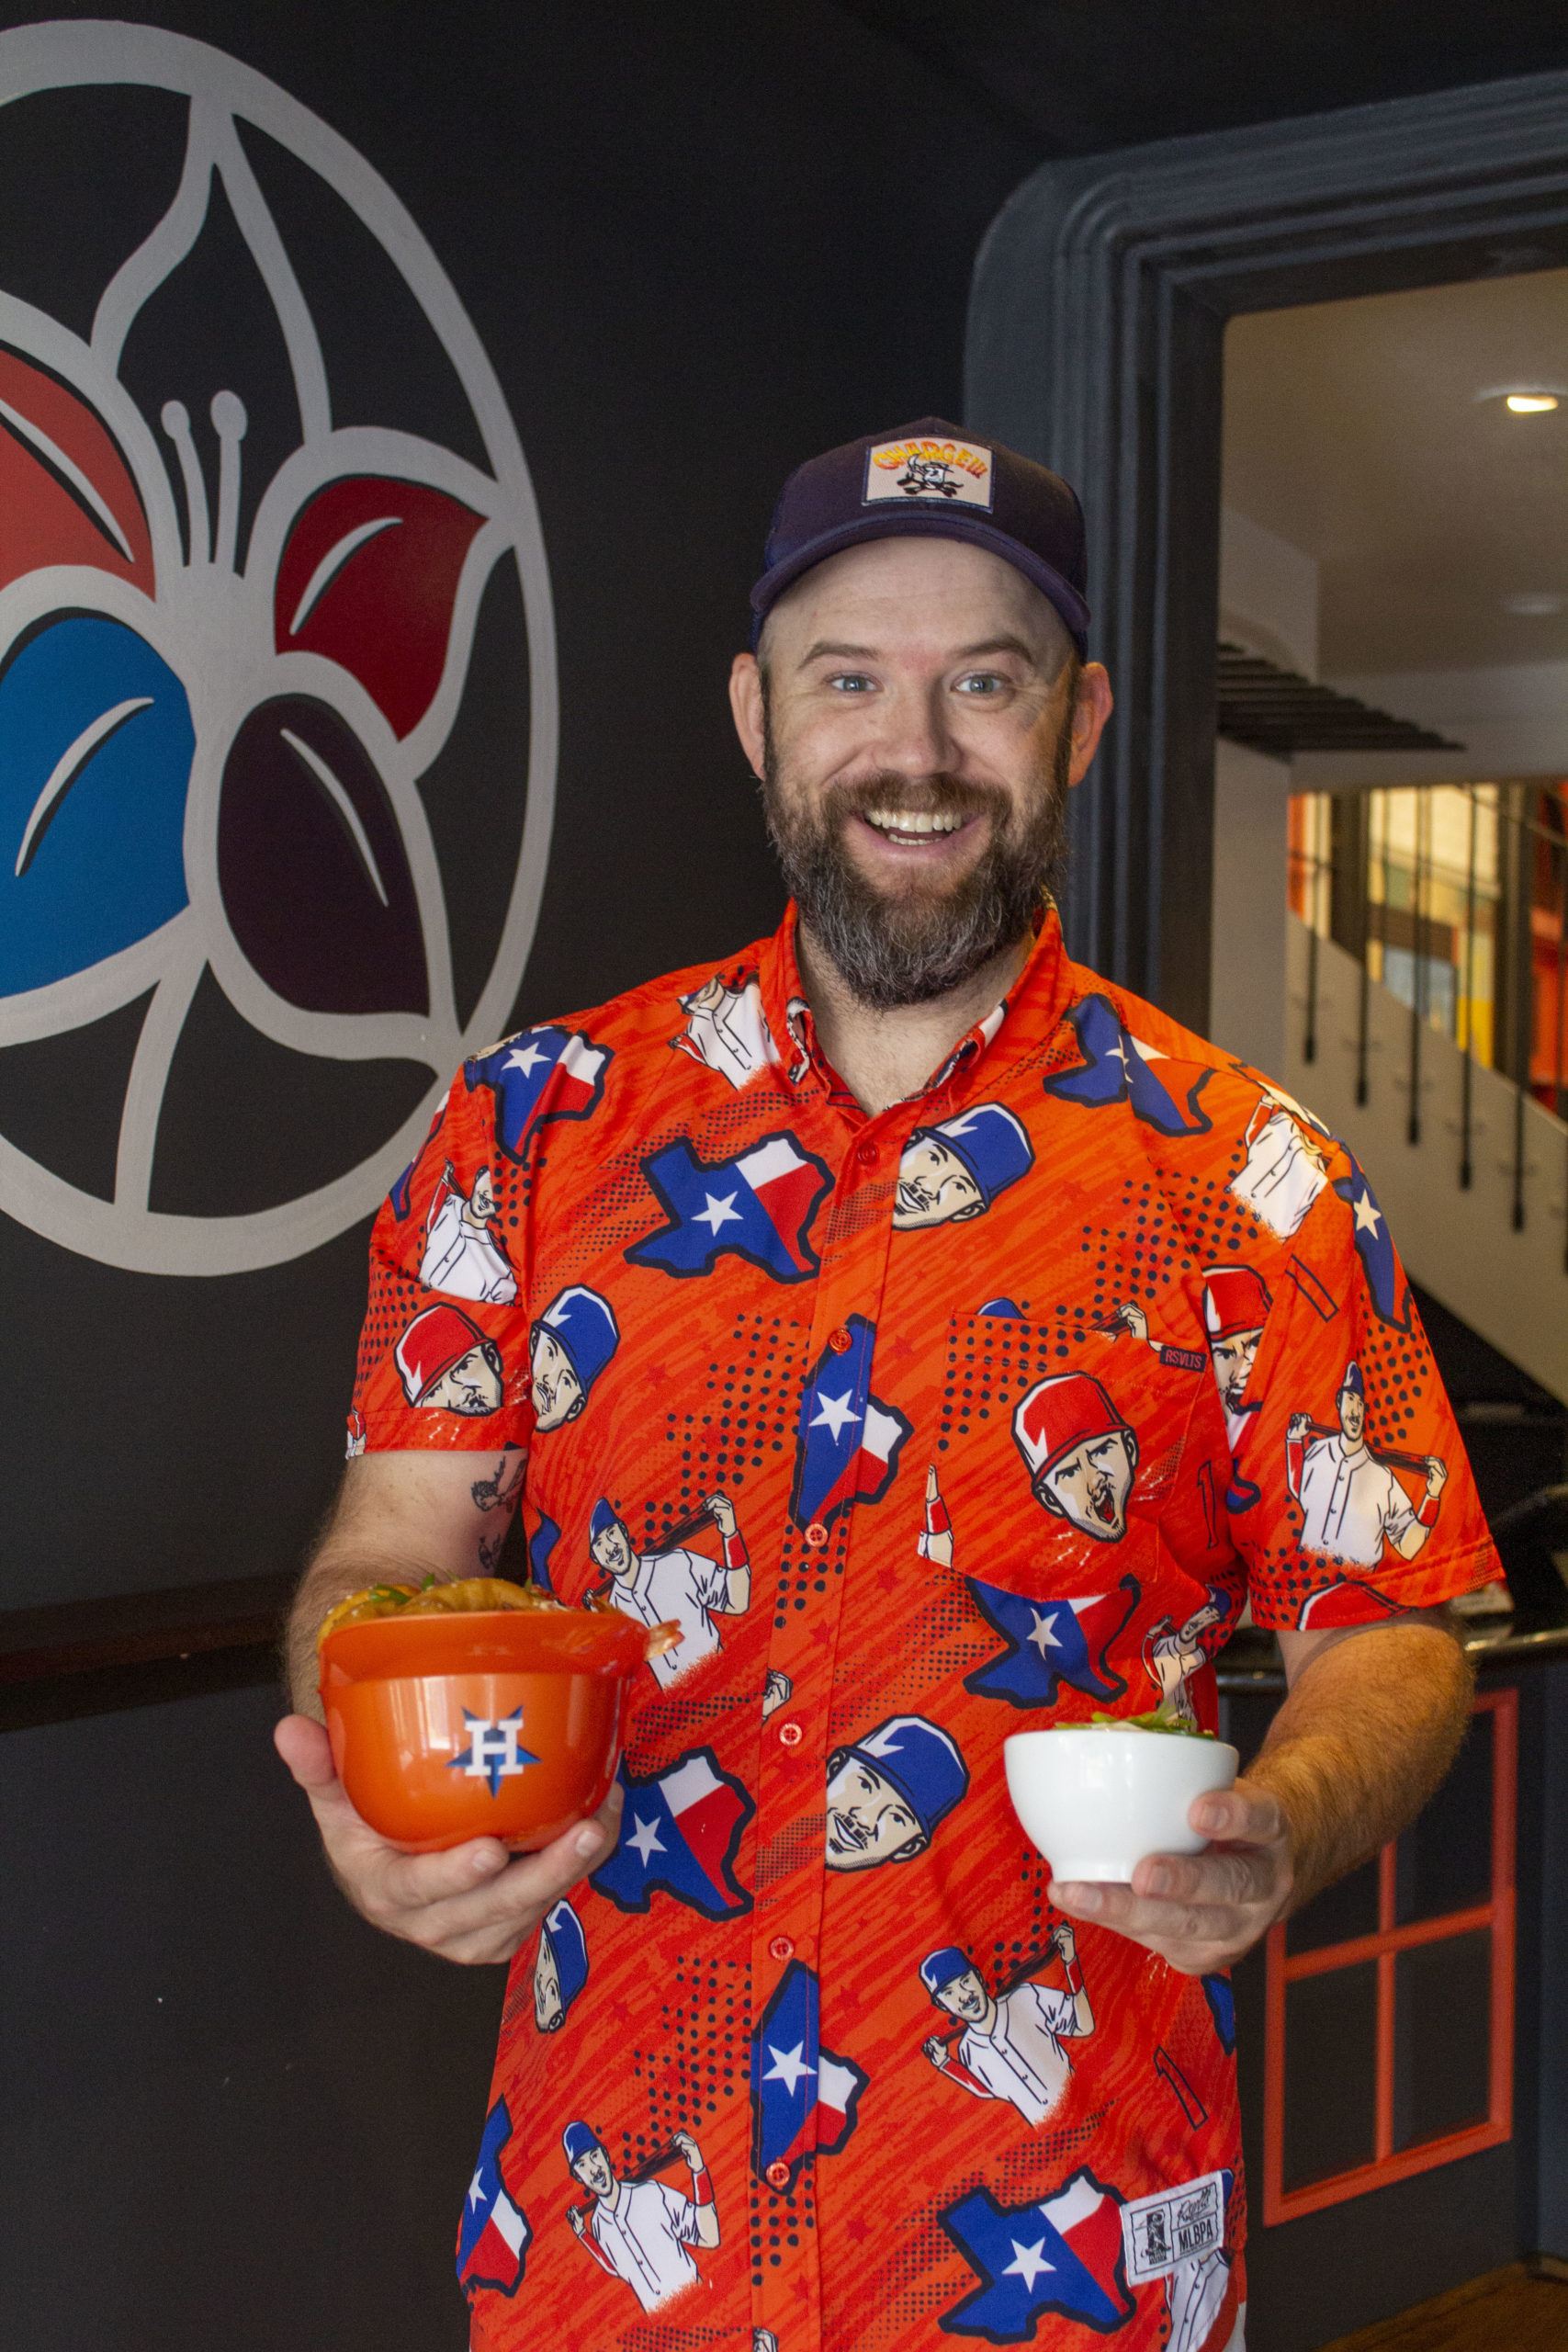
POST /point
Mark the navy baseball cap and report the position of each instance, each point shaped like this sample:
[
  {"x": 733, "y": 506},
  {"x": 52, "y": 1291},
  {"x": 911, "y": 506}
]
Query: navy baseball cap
[{"x": 930, "y": 479}]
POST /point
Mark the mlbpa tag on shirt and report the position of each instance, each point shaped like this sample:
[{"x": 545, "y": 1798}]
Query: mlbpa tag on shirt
[
  {"x": 1177, "y": 2225},
  {"x": 946, "y": 472}
]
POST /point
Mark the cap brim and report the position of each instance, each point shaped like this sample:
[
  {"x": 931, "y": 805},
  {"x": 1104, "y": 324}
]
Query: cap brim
[{"x": 930, "y": 522}]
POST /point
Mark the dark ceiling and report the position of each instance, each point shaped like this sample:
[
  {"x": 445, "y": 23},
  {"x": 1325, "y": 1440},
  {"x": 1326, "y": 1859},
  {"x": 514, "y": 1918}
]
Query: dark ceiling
[{"x": 1078, "y": 76}]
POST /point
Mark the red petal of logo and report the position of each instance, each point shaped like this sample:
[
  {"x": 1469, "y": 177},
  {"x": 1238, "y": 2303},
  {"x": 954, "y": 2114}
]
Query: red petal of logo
[
  {"x": 65, "y": 493},
  {"x": 310, "y": 862},
  {"x": 368, "y": 578}
]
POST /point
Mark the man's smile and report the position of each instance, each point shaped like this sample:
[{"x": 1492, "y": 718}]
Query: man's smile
[
  {"x": 930, "y": 834},
  {"x": 845, "y": 1830}
]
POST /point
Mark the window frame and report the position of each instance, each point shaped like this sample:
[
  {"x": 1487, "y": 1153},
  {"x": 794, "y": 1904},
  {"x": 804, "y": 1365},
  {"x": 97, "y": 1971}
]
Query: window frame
[{"x": 1283, "y": 1968}]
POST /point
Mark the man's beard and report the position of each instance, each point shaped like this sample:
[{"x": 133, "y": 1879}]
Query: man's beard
[{"x": 920, "y": 943}]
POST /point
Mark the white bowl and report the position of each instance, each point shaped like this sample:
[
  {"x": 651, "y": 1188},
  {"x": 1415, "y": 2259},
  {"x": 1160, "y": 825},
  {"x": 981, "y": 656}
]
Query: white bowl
[{"x": 1097, "y": 1799}]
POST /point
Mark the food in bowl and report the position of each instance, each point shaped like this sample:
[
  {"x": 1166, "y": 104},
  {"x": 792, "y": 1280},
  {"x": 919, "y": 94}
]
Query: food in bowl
[
  {"x": 1097, "y": 1797},
  {"x": 477, "y": 1708}
]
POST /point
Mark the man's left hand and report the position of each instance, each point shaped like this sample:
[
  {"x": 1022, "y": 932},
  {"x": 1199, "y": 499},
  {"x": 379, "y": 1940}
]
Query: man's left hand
[{"x": 1202, "y": 1912}]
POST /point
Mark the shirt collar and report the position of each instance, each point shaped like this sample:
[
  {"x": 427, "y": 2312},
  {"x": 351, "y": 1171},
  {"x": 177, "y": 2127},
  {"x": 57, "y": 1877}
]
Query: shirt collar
[{"x": 1026, "y": 1017}]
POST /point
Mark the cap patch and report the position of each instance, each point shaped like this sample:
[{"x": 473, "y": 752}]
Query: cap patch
[{"x": 944, "y": 473}]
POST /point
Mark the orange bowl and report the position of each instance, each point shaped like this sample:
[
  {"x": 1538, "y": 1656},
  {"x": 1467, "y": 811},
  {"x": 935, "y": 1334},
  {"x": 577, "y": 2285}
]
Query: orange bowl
[{"x": 486, "y": 1724}]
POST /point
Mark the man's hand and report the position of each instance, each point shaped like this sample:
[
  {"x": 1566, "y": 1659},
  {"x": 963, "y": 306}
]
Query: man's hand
[
  {"x": 689, "y": 2149},
  {"x": 1437, "y": 1475},
  {"x": 723, "y": 1512},
  {"x": 472, "y": 1904},
  {"x": 578, "y": 2218},
  {"x": 935, "y": 2048},
  {"x": 1202, "y": 1912}
]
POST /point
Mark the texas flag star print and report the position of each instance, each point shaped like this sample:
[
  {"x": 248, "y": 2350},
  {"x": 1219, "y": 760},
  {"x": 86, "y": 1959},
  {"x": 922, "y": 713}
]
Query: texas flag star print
[{"x": 928, "y": 1427}]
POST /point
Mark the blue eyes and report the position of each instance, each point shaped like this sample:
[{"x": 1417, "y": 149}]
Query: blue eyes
[{"x": 981, "y": 687}]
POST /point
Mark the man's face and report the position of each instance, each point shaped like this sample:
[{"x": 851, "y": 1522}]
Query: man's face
[
  {"x": 592, "y": 2169},
  {"x": 612, "y": 1548},
  {"x": 965, "y": 1997},
  {"x": 920, "y": 724},
  {"x": 1352, "y": 1415},
  {"x": 548, "y": 2007},
  {"x": 473, "y": 1385},
  {"x": 934, "y": 1187},
  {"x": 557, "y": 1392},
  {"x": 868, "y": 1821},
  {"x": 482, "y": 1201},
  {"x": 1233, "y": 1362},
  {"x": 1091, "y": 1486}
]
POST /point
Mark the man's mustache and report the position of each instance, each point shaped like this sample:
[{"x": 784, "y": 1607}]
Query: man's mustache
[{"x": 931, "y": 796}]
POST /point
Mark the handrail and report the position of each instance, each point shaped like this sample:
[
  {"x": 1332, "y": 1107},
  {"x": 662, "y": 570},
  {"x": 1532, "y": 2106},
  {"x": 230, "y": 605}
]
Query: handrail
[{"x": 1473, "y": 941}]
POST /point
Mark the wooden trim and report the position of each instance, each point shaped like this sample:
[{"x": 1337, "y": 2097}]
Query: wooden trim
[
  {"x": 138, "y": 1628},
  {"x": 1282, "y": 1967},
  {"x": 139, "y": 1649}
]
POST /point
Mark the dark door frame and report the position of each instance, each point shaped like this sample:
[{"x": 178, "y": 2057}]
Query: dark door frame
[{"x": 1096, "y": 336}]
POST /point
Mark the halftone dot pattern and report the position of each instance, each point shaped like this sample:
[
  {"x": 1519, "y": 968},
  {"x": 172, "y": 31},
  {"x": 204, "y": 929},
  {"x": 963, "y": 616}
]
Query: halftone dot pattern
[
  {"x": 867, "y": 1205},
  {"x": 700, "y": 1393},
  {"x": 740, "y": 1417},
  {"x": 798, "y": 1842}
]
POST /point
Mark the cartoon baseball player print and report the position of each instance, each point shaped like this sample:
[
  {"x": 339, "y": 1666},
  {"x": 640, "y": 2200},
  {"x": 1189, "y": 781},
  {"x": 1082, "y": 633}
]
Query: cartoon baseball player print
[
  {"x": 934, "y": 1541},
  {"x": 777, "y": 1692},
  {"x": 464, "y": 1253},
  {"x": 1194, "y": 2294},
  {"x": 1286, "y": 1165},
  {"x": 569, "y": 1347},
  {"x": 560, "y": 1966},
  {"x": 1011, "y": 2045},
  {"x": 888, "y": 1792},
  {"x": 675, "y": 1583},
  {"x": 1352, "y": 1504},
  {"x": 727, "y": 1029},
  {"x": 1173, "y": 1654},
  {"x": 1235, "y": 1308},
  {"x": 1081, "y": 1453},
  {"x": 641, "y": 2230},
  {"x": 1131, "y": 1317},
  {"x": 952, "y": 1172},
  {"x": 446, "y": 1364}
]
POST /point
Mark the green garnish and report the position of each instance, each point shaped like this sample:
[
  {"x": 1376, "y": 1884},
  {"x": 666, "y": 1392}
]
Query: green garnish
[{"x": 1155, "y": 1720}]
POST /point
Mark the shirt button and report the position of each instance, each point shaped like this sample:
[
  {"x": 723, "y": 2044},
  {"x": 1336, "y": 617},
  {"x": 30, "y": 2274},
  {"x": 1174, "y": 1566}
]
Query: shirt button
[
  {"x": 778, "y": 2176},
  {"x": 780, "y": 1949},
  {"x": 866, "y": 1154},
  {"x": 842, "y": 1341},
  {"x": 816, "y": 1535},
  {"x": 790, "y": 1734}
]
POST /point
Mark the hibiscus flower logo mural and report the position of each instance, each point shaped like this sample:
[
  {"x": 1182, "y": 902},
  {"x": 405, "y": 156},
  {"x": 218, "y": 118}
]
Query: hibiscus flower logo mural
[{"x": 254, "y": 647}]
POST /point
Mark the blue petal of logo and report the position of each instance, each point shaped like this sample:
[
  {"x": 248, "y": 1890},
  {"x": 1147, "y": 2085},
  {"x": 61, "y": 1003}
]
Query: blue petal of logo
[{"x": 95, "y": 748}]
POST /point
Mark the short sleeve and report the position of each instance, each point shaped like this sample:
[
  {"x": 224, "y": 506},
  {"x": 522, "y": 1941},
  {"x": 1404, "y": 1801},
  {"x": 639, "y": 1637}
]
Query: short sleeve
[
  {"x": 1058, "y": 2011},
  {"x": 710, "y": 1579},
  {"x": 443, "y": 1352},
  {"x": 1351, "y": 1497}
]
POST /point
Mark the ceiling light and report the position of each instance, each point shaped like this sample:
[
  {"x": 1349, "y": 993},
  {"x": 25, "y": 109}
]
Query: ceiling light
[
  {"x": 1537, "y": 605},
  {"x": 1525, "y": 400}
]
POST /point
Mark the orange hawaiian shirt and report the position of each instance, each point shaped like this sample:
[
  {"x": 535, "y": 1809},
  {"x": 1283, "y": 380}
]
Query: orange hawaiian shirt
[{"x": 990, "y": 1411}]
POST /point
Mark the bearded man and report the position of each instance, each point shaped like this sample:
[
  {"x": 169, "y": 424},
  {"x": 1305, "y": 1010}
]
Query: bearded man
[{"x": 917, "y": 703}]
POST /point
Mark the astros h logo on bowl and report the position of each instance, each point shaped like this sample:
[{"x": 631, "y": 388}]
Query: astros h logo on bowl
[{"x": 277, "y": 662}]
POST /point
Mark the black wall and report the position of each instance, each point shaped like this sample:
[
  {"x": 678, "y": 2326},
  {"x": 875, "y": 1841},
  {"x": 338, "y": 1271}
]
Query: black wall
[{"x": 698, "y": 244}]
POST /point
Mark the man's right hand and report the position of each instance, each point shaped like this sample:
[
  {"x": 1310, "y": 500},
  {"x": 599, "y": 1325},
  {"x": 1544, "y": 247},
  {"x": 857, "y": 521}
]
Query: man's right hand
[{"x": 472, "y": 1904}]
